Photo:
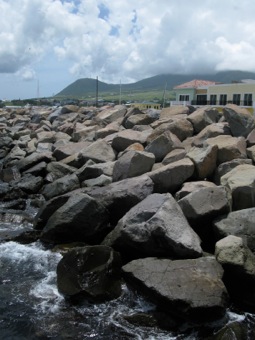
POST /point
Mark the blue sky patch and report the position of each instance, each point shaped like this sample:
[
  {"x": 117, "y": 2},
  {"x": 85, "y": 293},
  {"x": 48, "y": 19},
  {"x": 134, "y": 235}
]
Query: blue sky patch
[{"x": 103, "y": 12}]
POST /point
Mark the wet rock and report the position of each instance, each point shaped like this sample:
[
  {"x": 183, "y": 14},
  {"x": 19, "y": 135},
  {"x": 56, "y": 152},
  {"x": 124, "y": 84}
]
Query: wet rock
[
  {"x": 81, "y": 218},
  {"x": 91, "y": 272}
]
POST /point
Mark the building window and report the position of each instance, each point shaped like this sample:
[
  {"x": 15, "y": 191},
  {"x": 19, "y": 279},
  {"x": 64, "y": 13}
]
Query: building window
[
  {"x": 223, "y": 99},
  {"x": 184, "y": 98},
  {"x": 201, "y": 99},
  {"x": 236, "y": 99},
  {"x": 247, "y": 99},
  {"x": 213, "y": 99}
]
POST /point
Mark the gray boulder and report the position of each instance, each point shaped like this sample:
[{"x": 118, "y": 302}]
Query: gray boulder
[
  {"x": 155, "y": 227},
  {"x": 33, "y": 159},
  {"x": 170, "y": 177},
  {"x": 119, "y": 197},
  {"x": 240, "y": 121},
  {"x": 60, "y": 186},
  {"x": 91, "y": 273},
  {"x": 132, "y": 164},
  {"x": 205, "y": 159},
  {"x": 241, "y": 183},
  {"x": 200, "y": 208},
  {"x": 205, "y": 203},
  {"x": 189, "y": 187},
  {"x": 229, "y": 147},
  {"x": 238, "y": 223},
  {"x": 81, "y": 219},
  {"x": 224, "y": 168},
  {"x": 191, "y": 289},
  {"x": 98, "y": 152},
  {"x": 163, "y": 144},
  {"x": 173, "y": 156},
  {"x": 69, "y": 149},
  {"x": 125, "y": 138},
  {"x": 203, "y": 117},
  {"x": 239, "y": 270},
  {"x": 180, "y": 127}
]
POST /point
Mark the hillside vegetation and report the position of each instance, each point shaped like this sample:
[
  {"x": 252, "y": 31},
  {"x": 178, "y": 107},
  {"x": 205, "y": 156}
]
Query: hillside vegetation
[{"x": 146, "y": 89}]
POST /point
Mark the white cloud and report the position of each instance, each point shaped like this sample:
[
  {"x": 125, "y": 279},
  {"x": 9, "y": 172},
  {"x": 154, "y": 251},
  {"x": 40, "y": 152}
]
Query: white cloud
[{"x": 130, "y": 40}]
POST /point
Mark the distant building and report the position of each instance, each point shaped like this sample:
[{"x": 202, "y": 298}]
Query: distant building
[
  {"x": 146, "y": 105},
  {"x": 203, "y": 92},
  {"x": 193, "y": 91}
]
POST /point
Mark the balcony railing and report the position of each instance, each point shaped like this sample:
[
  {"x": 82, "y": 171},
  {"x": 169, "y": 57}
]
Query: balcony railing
[{"x": 213, "y": 103}]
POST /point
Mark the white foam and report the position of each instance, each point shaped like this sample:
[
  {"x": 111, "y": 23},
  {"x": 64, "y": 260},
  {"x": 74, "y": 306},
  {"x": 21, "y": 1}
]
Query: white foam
[{"x": 47, "y": 295}]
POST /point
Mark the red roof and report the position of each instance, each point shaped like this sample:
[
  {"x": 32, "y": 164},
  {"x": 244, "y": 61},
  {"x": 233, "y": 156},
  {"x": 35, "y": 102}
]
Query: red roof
[{"x": 195, "y": 84}]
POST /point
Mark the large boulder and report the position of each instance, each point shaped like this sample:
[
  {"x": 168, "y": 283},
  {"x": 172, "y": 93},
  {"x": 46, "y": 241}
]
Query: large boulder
[
  {"x": 163, "y": 144},
  {"x": 238, "y": 223},
  {"x": 108, "y": 116},
  {"x": 189, "y": 187},
  {"x": 200, "y": 207},
  {"x": 169, "y": 112},
  {"x": 60, "y": 186},
  {"x": 239, "y": 270},
  {"x": 33, "y": 159},
  {"x": 204, "y": 159},
  {"x": 155, "y": 227},
  {"x": 69, "y": 149},
  {"x": 98, "y": 152},
  {"x": 133, "y": 163},
  {"x": 119, "y": 197},
  {"x": 138, "y": 119},
  {"x": 240, "y": 120},
  {"x": 228, "y": 147},
  {"x": 180, "y": 127},
  {"x": 191, "y": 289},
  {"x": 125, "y": 138},
  {"x": 203, "y": 117},
  {"x": 91, "y": 273},
  {"x": 241, "y": 182},
  {"x": 224, "y": 168},
  {"x": 170, "y": 177},
  {"x": 81, "y": 218}
]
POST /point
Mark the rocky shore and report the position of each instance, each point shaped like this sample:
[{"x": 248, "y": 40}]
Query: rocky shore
[{"x": 163, "y": 200}]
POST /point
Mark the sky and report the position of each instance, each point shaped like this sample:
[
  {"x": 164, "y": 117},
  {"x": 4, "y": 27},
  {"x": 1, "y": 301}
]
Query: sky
[{"x": 45, "y": 45}]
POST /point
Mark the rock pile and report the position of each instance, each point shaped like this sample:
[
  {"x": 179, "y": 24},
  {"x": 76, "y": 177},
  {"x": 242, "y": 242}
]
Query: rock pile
[{"x": 171, "y": 193}]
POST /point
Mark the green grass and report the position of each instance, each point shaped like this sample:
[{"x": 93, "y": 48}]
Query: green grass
[{"x": 128, "y": 96}]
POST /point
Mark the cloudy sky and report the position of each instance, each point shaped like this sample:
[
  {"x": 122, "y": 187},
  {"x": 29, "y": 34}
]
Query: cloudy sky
[{"x": 45, "y": 45}]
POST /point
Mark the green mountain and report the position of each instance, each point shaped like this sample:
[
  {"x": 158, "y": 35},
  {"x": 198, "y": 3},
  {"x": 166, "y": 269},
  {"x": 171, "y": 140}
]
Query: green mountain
[{"x": 87, "y": 86}]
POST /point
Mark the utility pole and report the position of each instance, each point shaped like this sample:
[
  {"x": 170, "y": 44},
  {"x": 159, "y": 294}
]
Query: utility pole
[
  {"x": 120, "y": 94},
  {"x": 97, "y": 91}
]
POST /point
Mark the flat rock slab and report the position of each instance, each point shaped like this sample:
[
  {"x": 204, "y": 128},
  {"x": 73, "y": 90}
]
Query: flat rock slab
[{"x": 191, "y": 289}]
